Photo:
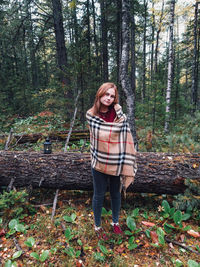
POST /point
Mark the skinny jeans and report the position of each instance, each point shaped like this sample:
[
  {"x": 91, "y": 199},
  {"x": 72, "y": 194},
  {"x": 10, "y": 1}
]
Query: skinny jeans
[{"x": 100, "y": 183}]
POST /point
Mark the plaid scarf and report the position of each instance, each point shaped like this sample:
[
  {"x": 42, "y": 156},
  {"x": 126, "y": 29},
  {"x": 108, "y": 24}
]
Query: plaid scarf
[{"x": 112, "y": 147}]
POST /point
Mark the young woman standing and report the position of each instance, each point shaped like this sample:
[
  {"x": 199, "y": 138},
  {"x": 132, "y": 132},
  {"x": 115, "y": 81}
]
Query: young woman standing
[{"x": 112, "y": 153}]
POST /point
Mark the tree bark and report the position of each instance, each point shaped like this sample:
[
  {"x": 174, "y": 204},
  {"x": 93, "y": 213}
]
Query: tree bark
[
  {"x": 60, "y": 39},
  {"x": 195, "y": 62},
  {"x": 170, "y": 68},
  {"x": 124, "y": 75},
  {"x": 104, "y": 34},
  {"x": 159, "y": 173}
]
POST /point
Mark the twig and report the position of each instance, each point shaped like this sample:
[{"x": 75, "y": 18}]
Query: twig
[
  {"x": 10, "y": 186},
  {"x": 72, "y": 121},
  {"x": 54, "y": 204},
  {"x": 17, "y": 141},
  {"x": 17, "y": 244},
  {"x": 9, "y": 139},
  {"x": 181, "y": 245}
]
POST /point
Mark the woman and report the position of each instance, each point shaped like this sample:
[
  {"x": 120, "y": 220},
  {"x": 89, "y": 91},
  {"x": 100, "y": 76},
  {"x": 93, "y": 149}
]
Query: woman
[{"x": 112, "y": 153}]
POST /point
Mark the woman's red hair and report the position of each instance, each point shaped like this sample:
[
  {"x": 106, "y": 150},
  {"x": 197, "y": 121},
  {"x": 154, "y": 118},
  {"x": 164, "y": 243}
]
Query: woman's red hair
[{"x": 101, "y": 92}]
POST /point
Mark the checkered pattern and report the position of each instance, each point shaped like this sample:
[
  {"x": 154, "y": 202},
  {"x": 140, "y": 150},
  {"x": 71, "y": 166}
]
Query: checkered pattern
[{"x": 111, "y": 145}]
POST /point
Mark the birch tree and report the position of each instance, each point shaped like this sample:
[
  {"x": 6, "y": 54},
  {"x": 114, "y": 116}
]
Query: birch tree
[
  {"x": 124, "y": 75},
  {"x": 170, "y": 67}
]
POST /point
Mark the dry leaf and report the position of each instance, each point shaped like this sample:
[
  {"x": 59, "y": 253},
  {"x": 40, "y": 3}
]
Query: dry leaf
[
  {"x": 154, "y": 237},
  {"x": 2, "y": 232},
  {"x": 193, "y": 233},
  {"x": 148, "y": 223}
]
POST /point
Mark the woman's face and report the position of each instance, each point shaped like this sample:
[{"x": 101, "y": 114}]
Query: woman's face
[{"x": 108, "y": 98}]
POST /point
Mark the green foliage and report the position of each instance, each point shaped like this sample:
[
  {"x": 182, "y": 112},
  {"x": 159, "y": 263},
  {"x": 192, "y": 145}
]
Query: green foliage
[
  {"x": 15, "y": 204},
  {"x": 70, "y": 219},
  {"x": 42, "y": 257},
  {"x": 190, "y": 200}
]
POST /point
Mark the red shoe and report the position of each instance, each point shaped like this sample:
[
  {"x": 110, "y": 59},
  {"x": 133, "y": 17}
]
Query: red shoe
[
  {"x": 116, "y": 229},
  {"x": 100, "y": 233}
]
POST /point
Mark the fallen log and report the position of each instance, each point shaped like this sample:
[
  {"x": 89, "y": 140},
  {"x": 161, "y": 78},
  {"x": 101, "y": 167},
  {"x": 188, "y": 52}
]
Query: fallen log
[
  {"x": 159, "y": 173},
  {"x": 54, "y": 136}
]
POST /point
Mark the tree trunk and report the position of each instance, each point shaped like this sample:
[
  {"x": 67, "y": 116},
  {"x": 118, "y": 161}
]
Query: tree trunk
[
  {"x": 60, "y": 39},
  {"x": 157, "y": 172},
  {"x": 170, "y": 68},
  {"x": 124, "y": 76},
  {"x": 133, "y": 58},
  {"x": 144, "y": 54},
  {"x": 104, "y": 33},
  {"x": 195, "y": 62}
]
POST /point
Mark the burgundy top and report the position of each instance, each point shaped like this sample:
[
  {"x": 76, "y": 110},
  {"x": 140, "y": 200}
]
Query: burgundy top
[{"x": 108, "y": 116}]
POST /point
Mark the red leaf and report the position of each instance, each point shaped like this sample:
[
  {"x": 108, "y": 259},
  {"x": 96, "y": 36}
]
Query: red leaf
[
  {"x": 148, "y": 223},
  {"x": 2, "y": 232},
  {"x": 193, "y": 233},
  {"x": 154, "y": 237}
]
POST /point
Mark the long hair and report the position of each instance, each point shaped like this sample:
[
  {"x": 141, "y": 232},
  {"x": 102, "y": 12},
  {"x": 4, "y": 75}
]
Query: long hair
[{"x": 101, "y": 92}]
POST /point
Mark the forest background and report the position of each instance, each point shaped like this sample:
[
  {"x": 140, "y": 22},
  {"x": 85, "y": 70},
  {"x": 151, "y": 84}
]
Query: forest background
[{"x": 52, "y": 49}]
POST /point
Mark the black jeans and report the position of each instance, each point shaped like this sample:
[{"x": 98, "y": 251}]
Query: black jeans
[{"x": 100, "y": 182}]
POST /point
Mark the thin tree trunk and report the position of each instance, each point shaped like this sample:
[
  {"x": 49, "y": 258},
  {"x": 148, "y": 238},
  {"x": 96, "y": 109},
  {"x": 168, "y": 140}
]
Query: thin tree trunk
[
  {"x": 124, "y": 75},
  {"x": 104, "y": 34},
  {"x": 195, "y": 62},
  {"x": 144, "y": 53},
  {"x": 170, "y": 68},
  {"x": 133, "y": 58}
]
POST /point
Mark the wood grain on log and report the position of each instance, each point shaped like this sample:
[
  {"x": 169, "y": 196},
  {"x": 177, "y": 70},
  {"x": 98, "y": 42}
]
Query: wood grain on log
[{"x": 157, "y": 172}]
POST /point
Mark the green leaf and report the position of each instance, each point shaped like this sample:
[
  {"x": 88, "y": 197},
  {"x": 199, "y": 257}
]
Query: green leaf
[
  {"x": 1, "y": 220},
  {"x": 186, "y": 216},
  {"x": 187, "y": 228},
  {"x": 172, "y": 210},
  {"x": 130, "y": 223},
  {"x": 135, "y": 213},
  {"x": 103, "y": 248},
  {"x": 17, "y": 254},
  {"x": 177, "y": 217},
  {"x": 12, "y": 224},
  {"x": 78, "y": 253},
  {"x": 68, "y": 234},
  {"x": 178, "y": 263},
  {"x": 131, "y": 239},
  {"x": 44, "y": 255},
  {"x": 147, "y": 232},
  {"x": 70, "y": 251},
  {"x": 79, "y": 242},
  {"x": 35, "y": 255},
  {"x": 192, "y": 263},
  {"x": 9, "y": 263},
  {"x": 166, "y": 206},
  {"x": 30, "y": 242},
  {"x": 128, "y": 232},
  {"x": 168, "y": 227},
  {"x": 132, "y": 246},
  {"x": 98, "y": 256},
  {"x": 73, "y": 216},
  {"x": 67, "y": 218},
  {"x": 161, "y": 236},
  {"x": 20, "y": 228}
]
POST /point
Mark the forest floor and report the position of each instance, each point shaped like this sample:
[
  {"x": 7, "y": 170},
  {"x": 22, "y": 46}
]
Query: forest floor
[{"x": 69, "y": 239}]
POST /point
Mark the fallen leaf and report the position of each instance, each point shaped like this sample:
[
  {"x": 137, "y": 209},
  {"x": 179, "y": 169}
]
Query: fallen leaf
[
  {"x": 193, "y": 233},
  {"x": 2, "y": 232},
  {"x": 148, "y": 223},
  {"x": 154, "y": 237}
]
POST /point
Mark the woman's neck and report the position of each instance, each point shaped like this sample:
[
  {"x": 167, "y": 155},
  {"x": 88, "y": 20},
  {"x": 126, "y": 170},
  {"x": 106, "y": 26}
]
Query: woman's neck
[{"x": 104, "y": 109}]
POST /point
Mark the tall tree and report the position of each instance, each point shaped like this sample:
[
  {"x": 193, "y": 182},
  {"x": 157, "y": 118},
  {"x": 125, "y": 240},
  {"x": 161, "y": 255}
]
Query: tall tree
[
  {"x": 144, "y": 52},
  {"x": 60, "y": 40},
  {"x": 124, "y": 75},
  {"x": 170, "y": 67},
  {"x": 104, "y": 38},
  {"x": 195, "y": 59}
]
